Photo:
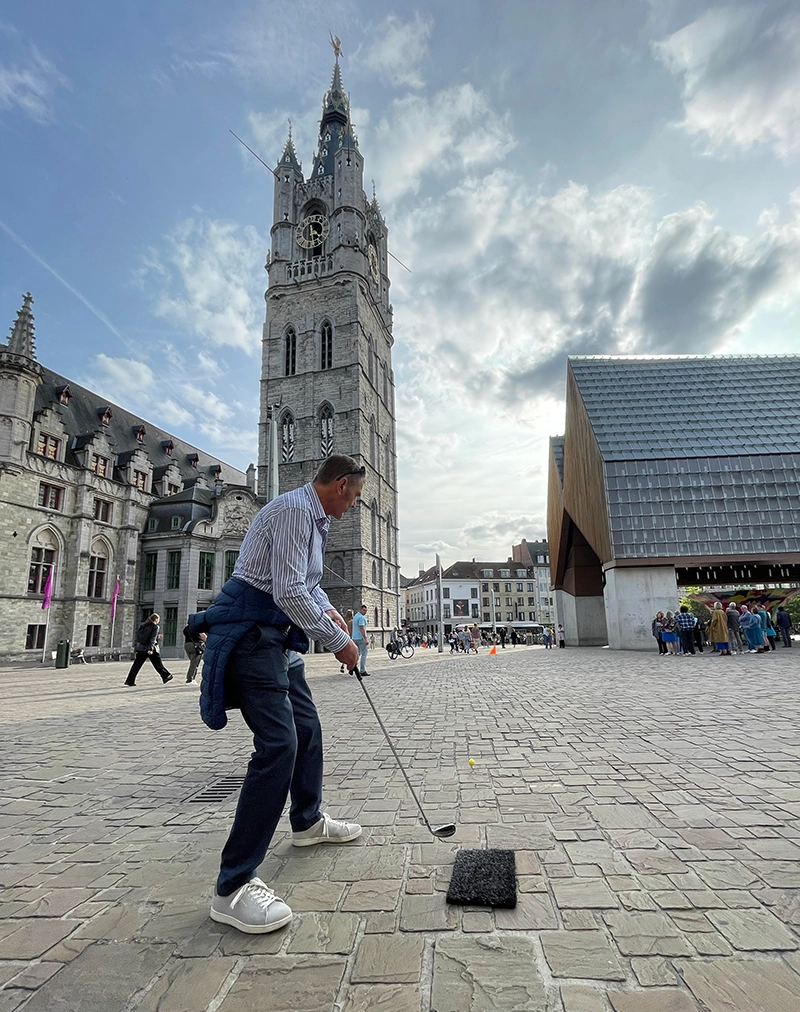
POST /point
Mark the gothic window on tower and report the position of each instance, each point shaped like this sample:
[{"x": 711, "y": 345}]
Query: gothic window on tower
[
  {"x": 287, "y": 437},
  {"x": 372, "y": 458},
  {"x": 290, "y": 353},
  {"x": 374, "y": 527},
  {"x": 374, "y": 575},
  {"x": 388, "y": 551},
  {"x": 326, "y": 345},
  {"x": 370, "y": 355},
  {"x": 326, "y": 430}
]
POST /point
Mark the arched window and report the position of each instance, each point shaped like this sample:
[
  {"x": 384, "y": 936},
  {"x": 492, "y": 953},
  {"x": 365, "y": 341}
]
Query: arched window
[
  {"x": 370, "y": 353},
  {"x": 98, "y": 568},
  {"x": 326, "y": 430},
  {"x": 287, "y": 437},
  {"x": 387, "y": 471},
  {"x": 290, "y": 353},
  {"x": 326, "y": 345},
  {"x": 372, "y": 440},
  {"x": 374, "y": 527},
  {"x": 388, "y": 620},
  {"x": 388, "y": 547},
  {"x": 44, "y": 555},
  {"x": 385, "y": 384},
  {"x": 337, "y": 566},
  {"x": 377, "y": 620},
  {"x": 374, "y": 575}
]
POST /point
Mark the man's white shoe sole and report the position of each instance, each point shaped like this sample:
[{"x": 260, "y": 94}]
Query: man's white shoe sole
[
  {"x": 326, "y": 839},
  {"x": 250, "y": 929}
]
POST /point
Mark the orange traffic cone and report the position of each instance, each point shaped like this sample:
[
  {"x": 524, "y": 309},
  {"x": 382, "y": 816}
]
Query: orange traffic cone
[{"x": 493, "y": 650}]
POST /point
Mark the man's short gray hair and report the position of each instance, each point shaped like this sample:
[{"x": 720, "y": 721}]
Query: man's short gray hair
[{"x": 339, "y": 465}]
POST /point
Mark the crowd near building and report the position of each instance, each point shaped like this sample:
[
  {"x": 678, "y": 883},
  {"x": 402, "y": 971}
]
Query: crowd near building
[
  {"x": 511, "y": 593},
  {"x": 672, "y": 472}
]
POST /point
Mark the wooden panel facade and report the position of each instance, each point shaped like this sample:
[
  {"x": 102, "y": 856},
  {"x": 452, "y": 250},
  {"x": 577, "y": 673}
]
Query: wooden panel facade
[{"x": 584, "y": 490}]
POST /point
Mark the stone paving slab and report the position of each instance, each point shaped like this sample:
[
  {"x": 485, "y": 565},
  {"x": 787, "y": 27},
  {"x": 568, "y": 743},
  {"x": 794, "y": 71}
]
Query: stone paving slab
[{"x": 655, "y": 819}]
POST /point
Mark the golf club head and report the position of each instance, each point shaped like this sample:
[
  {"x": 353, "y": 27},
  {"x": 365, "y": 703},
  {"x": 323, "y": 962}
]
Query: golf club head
[{"x": 443, "y": 832}]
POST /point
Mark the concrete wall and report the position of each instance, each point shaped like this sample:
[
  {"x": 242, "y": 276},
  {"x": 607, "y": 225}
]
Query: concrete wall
[
  {"x": 583, "y": 618},
  {"x": 632, "y": 597}
]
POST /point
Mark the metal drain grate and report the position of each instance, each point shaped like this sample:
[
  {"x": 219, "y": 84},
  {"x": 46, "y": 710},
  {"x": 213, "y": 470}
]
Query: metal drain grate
[{"x": 219, "y": 791}]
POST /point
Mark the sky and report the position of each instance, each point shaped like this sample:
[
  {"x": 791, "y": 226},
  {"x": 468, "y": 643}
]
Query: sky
[{"x": 583, "y": 177}]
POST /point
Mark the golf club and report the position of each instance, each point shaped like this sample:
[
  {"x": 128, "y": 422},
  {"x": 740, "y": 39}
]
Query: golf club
[{"x": 440, "y": 832}]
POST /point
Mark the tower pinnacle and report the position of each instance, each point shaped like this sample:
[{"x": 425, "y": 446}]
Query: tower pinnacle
[
  {"x": 335, "y": 129},
  {"x": 21, "y": 340},
  {"x": 289, "y": 156}
]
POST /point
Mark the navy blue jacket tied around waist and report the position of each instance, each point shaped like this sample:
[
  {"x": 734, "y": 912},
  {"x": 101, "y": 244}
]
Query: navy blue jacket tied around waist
[{"x": 237, "y": 608}]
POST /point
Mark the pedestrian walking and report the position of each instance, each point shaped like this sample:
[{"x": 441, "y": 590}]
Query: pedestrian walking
[
  {"x": 193, "y": 644},
  {"x": 548, "y": 639},
  {"x": 783, "y": 621},
  {"x": 146, "y": 649},
  {"x": 734, "y": 630},
  {"x": 475, "y": 637},
  {"x": 502, "y": 631},
  {"x": 360, "y": 637},
  {"x": 686, "y": 622},
  {"x": 513, "y": 636},
  {"x": 259, "y": 624},
  {"x": 718, "y": 630},
  {"x": 562, "y": 637}
]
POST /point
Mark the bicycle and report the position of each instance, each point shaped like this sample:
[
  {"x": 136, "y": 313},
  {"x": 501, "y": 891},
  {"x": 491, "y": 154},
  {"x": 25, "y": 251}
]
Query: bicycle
[{"x": 395, "y": 650}]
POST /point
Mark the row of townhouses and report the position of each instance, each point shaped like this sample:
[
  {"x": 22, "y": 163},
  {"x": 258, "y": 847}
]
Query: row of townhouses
[{"x": 515, "y": 592}]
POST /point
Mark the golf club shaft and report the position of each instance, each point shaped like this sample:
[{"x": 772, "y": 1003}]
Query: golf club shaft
[{"x": 394, "y": 751}]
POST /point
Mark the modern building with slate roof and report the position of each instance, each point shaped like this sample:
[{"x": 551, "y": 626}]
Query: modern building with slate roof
[
  {"x": 672, "y": 471},
  {"x": 92, "y": 493}
]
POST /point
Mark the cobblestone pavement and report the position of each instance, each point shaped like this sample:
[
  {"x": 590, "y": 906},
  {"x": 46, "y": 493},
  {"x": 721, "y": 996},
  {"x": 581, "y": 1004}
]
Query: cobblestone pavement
[{"x": 653, "y": 804}]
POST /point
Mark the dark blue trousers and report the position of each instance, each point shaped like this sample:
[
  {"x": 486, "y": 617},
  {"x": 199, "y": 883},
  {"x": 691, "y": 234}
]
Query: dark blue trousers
[{"x": 268, "y": 682}]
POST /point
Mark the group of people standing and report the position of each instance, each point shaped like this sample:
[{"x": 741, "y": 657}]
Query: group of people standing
[{"x": 731, "y": 630}]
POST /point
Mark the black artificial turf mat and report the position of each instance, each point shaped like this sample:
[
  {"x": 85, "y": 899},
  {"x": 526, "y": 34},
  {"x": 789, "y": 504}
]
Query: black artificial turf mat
[{"x": 484, "y": 878}]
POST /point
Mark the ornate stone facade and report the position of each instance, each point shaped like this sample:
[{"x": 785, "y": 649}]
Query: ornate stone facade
[{"x": 85, "y": 489}]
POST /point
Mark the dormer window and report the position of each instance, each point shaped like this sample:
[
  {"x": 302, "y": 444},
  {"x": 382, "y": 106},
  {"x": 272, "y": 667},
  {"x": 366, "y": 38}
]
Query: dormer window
[
  {"x": 99, "y": 465},
  {"x": 168, "y": 446},
  {"x": 172, "y": 490},
  {"x": 64, "y": 394},
  {"x": 140, "y": 433},
  {"x": 140, "y": 480},
  {"x": 216, "y": 471},
  {"x": 193, "y": 459},
  {"x": 105, "y": 415},
  {"x": 175, "y": 523}
]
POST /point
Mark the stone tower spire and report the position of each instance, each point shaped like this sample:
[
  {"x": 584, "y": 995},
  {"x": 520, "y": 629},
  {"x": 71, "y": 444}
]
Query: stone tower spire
[
  {"x": 22, "y": 341},
  {"x": 20, "y": 376},
  {"x": 289, "y": 156}
]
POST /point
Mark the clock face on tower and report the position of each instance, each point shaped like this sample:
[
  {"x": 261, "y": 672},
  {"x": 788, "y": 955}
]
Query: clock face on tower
[
  {"x": 372, "y": 260},
  {"x": 312, "y": 231}
]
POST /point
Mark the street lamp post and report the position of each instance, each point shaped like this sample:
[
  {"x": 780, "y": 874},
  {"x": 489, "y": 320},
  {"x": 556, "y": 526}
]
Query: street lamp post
[{"x": 439, "y": 596}]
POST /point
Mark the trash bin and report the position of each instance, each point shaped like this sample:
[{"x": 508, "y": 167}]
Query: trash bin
[{"x": 62, "y": 654}]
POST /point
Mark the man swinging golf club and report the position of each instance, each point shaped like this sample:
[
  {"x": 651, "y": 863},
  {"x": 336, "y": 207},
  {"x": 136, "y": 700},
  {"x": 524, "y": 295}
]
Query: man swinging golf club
[{"x": 261, "y": 619}]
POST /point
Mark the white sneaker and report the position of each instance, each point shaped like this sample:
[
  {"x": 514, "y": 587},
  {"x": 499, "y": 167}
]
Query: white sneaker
[
  {"x": 327, "y": 830},
  {"x": 254, "y": 909}
]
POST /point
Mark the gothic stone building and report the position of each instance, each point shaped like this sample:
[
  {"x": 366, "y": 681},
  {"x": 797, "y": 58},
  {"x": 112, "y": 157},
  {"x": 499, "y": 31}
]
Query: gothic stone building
[
  {"x": 327, "y": 381},
  {"x": 94, "y": 493}
]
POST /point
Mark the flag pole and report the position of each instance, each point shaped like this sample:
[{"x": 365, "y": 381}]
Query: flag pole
[
  {"x": 114, "y": 611},
  {"x": 48, "y": 596}
]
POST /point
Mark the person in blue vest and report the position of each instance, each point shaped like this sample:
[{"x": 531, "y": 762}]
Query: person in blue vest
[{"x": 256, "y": 629}]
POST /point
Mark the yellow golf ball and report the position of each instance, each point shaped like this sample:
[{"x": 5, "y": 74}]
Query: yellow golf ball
[{"x": 472, "y": 762}]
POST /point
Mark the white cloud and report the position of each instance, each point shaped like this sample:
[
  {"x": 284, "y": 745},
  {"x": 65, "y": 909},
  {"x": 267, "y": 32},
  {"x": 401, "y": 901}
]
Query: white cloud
[
  {"x": 398, "y": 48},
  {"x": 30, "y": 84},
  {"x": 212, "y": 280},
  {"x": 741, "y": 77},
  {"x": 454, "y": 129}
]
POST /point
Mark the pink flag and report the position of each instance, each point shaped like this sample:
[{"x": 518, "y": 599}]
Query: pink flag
[
  {"x": 114, "y": 597},
  {"x": 48, "y": 590}
]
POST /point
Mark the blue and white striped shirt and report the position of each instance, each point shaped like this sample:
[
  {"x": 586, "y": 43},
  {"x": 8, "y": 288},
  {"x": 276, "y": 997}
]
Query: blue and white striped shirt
[{"x": 283, "y": 554}]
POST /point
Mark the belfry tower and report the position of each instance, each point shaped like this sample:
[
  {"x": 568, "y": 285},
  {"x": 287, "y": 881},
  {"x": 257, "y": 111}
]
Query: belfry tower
[{"x": 327, "y": 380}]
